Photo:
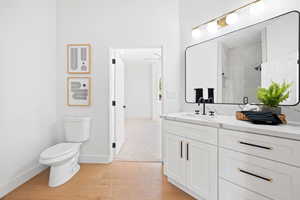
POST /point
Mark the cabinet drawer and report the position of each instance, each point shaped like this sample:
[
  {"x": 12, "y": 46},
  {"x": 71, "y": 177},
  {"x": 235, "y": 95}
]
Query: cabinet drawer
[
  {"x": 274, "y": 180},
  {"x": 229, "y": 191},
  {"x": 197, "y": 132},
  {"x": 278, "y": 149}
]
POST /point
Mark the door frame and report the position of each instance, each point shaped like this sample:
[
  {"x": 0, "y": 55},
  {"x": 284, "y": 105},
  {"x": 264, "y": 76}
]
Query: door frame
[{"x": 111, "y": 109}]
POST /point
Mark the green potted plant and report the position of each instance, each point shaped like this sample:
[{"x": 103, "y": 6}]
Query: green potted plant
[{"x": 272, "y": 96}]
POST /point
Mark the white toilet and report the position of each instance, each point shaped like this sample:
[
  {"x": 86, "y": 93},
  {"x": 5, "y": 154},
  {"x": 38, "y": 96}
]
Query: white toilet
[{"x": 63, "y": 157}]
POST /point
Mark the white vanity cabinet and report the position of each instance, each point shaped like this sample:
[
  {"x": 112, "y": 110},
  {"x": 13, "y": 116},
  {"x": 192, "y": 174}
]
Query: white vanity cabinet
[
  {"x": 191, "y": 158},
  {"x": 230, "y": 191},
  {"x": 244, "y": 162},
  {"x": 257, "y": 164},
  {"x": 273, "y": 148}
]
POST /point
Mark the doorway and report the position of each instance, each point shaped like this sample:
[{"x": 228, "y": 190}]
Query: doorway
[{"x": 136, "y": 95}]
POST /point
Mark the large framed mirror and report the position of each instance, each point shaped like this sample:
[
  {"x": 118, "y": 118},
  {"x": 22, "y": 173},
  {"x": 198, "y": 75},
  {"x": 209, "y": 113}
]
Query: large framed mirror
[{"x": 229, "y": 69}]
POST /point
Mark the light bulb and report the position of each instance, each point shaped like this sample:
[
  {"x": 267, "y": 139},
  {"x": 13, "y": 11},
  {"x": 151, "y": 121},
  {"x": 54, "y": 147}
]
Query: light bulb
[
  {"x": 232, "y": 18},
  {"x": 196, "y": 33},
  {"x": 212, "y": 27},
  {"x": 257, "y": 8}
]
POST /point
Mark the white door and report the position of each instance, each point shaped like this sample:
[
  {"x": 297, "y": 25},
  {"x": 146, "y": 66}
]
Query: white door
[
  {"x": 201, "y": 169},
  {"x": 175, "y": 157},
  {"x": 119, "y": 104}
]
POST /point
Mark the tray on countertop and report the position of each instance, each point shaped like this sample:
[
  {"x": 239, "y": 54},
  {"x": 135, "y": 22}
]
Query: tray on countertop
[{"x": 241, "y": 116}]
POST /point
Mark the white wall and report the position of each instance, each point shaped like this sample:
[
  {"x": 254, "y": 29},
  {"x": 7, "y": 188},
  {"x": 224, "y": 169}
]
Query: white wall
[
  {"x": 194, "y": 12},
  {"x": 115, "y": 24},
  {"x": 27, "y": 85},
  {"x": 138, "y": 90}
]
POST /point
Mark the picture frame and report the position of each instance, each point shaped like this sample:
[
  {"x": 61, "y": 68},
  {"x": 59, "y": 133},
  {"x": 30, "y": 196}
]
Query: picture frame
[
  {"x": 79, "y": 58},
  {"x": 78, "y": 91}
]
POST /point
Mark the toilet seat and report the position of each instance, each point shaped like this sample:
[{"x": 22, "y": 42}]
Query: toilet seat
[{"x": 59, "y": 152}]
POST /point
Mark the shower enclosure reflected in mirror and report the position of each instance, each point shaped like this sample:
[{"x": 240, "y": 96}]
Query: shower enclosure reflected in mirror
[{"x": 230, "y": 68}]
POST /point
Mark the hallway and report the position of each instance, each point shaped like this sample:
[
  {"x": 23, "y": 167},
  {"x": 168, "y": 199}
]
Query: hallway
[{"x": 142, "y": 141}]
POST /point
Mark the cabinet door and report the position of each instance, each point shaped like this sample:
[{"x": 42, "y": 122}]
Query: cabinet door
[
  {"x": 175, "y": 158},
  {"x": 201, "y": 169}
]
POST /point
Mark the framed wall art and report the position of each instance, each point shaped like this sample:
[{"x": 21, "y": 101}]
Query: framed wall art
[
  {"x": 78, "y": 91},
  {"x": 79, "y": 58}
]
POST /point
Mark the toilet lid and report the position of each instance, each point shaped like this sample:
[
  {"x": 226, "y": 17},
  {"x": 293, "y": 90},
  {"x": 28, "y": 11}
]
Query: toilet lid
[{"x": 59, "y": 150}]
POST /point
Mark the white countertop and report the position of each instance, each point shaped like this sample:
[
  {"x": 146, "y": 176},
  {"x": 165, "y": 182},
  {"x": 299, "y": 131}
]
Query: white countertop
[{"x": 289, "y": 131}]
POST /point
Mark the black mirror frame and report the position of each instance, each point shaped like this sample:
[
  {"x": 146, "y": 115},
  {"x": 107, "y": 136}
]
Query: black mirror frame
[{"x": 294, "y": 11}]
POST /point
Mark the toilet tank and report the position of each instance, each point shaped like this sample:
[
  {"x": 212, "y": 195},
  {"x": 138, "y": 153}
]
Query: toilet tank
[{"x": 77, "y": 129}]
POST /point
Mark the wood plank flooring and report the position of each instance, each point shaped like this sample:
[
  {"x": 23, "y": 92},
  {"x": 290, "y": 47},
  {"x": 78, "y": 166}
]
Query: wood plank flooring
[{"x": 116, "y": 181}]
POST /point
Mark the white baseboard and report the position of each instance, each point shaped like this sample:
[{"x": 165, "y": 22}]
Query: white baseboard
[
  {"x": 90, "y": 158},
  {"x": 20, "y": 179}
]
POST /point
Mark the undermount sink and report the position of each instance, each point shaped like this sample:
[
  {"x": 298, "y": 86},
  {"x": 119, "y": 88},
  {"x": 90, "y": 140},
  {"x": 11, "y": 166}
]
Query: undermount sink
[{"x": 200, "y": 116}]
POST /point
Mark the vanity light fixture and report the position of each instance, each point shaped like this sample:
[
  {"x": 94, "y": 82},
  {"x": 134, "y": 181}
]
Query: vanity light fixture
[
  {"x": 257, "y": 8},
  {"x": 196, "y": 33},
  {"x": 212, "y": 27},
  {"x": 232, "y": 18},
  {"x": 229, "y": 18}
]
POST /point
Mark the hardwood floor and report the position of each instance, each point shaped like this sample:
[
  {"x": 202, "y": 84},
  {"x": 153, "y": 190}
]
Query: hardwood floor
[{"x": 116, "y": 181}]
